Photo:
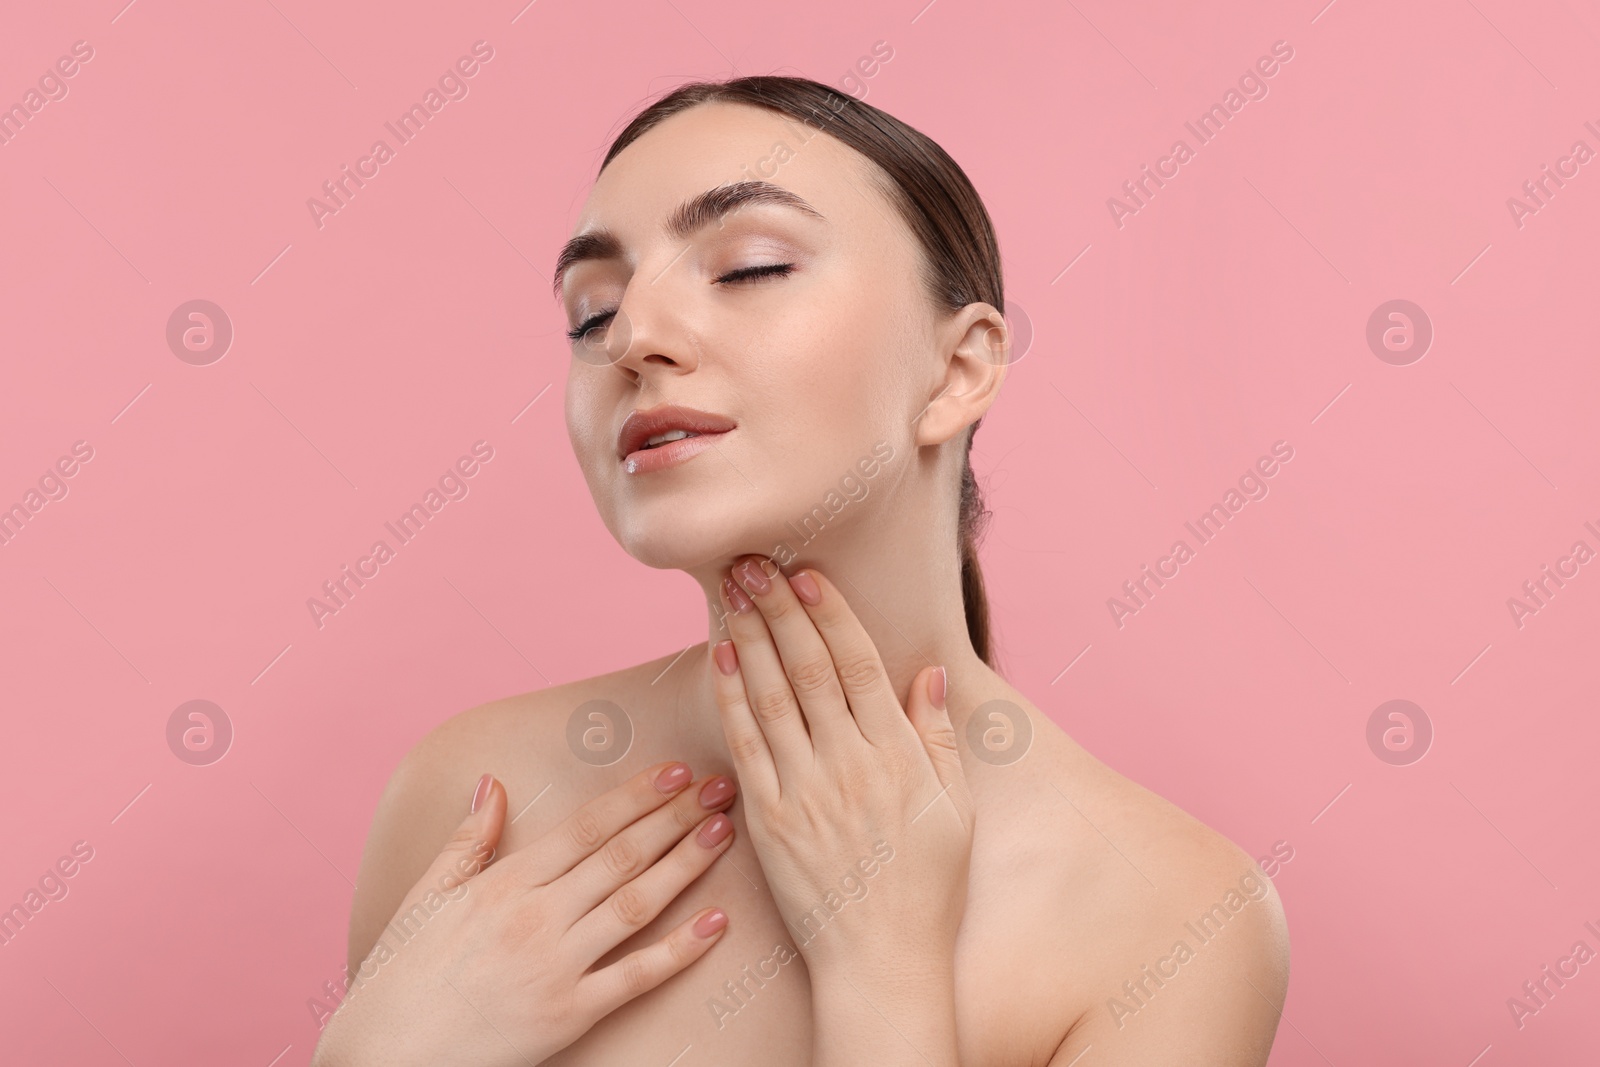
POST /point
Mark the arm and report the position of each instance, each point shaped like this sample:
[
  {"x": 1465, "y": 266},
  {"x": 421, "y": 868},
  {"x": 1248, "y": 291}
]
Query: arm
[
  {"x": 883, "y": 1020},
  {"x": 847, "y": 789},
  {"x": 416, "y": 814},
  {"x": 1220, "y": 1005},
  {"x": 493, "y": 966}
]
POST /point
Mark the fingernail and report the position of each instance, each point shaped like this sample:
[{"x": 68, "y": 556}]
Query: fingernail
[
  {"x": 726, "y": 655},
  {"x": 751, "y": 578},
  {"x": 674, "y": 778},
  {"x": 714, "y": 832},
  {"x": 805, "y": 587},
  {"x": 716, "y": 791},
  {"x": 710, "y": 922},
  {"x": 936, "y": 686},
  {"x": 480, "y": 793},
  {"x": 737, "y": 597}
]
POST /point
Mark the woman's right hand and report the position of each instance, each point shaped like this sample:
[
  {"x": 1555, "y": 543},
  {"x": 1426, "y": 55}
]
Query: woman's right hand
[{"x": 499, "y": 971}]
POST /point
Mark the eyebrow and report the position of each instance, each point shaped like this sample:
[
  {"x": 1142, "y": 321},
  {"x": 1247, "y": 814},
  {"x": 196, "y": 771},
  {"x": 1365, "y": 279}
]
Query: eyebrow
[{"x": 691, "y": 216}]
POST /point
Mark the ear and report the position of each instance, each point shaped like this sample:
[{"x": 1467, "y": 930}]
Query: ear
[{"x": 976, "y": 343}]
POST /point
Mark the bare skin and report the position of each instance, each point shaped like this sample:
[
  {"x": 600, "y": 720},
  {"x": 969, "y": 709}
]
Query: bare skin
[
  {"x": 1081, "y": 883},
  {"x": 1059, "y": 910}
]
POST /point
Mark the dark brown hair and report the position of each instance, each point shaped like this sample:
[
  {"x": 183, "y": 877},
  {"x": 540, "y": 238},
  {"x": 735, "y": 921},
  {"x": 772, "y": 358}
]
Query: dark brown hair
[{"x": 960, "y": 261}]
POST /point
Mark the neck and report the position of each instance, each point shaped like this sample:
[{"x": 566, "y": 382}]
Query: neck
[{"x": 900, "y": 574}]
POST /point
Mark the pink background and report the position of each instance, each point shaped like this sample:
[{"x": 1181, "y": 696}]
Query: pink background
[{"x": 1228, "y": 313}]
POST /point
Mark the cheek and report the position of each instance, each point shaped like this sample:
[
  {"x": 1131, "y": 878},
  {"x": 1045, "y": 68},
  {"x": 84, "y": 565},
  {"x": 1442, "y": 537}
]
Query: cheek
[
  {"x": 592, "y": 446},
  {"x": 585, "y": 423},
  {"x": 865, "y": 378},
  {"x": 848, "y": 357},
  {"x": 828, "y": 401},
  {"x": 816, "y": 397}
]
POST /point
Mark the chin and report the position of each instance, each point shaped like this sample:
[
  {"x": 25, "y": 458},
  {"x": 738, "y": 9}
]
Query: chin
[{"x": 676, "y": 535}]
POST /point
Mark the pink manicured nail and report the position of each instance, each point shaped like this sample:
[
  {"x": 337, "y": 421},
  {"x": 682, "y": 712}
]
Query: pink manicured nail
[
  {"x": 480, "y": 793},
  {"x": 710, "y": 922},
  {"x": 936, "y": 687},
  {"x": 674, "y": 778},
  {"x": 751, "y": 576},
  {"x": 715, "y": 792},
  {"x": 737, "y": 597},
  {"x": 805, "y": 587},
  {"x": 714, "y": 832},
  {"x": 726, "y": 655}
]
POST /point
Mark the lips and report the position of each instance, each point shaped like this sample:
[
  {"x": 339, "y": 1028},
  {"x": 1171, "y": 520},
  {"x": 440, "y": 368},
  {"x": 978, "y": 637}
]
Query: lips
[{"x": 645, "y": 423}]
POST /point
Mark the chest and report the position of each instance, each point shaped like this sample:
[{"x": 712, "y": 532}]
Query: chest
[{"x": 748, "y": 1000}]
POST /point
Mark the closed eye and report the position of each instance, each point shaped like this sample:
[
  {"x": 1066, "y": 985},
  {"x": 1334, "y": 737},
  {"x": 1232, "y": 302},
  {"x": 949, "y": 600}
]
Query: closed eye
[
  {"x": 766, "y": 270},
  {"x": 576, "y": 333},
  {"x": 770, "y": 269}
]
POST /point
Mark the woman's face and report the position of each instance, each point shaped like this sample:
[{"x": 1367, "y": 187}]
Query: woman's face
[{"x": 812, "y": 362}]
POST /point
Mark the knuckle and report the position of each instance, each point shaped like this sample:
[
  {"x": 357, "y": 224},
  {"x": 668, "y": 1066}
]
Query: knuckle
[
  {"x": 630, "y": 907},
  {"x": 858, "y": 673},
  {"x": 678, "y": 951},
  {"x": 621, "y": 856},
  {"x": 462, "y": 838},
  {"x": 746, "y": 748},
  {"x": 778, "y": 608},
  {"x": 943, "y": 738},
  {"x": 524, "y": 924},
  {"x": 584, "y": 830},
  {"x": 811, "y": 675},
  {"x": 854, "y": 784},
  {"x": 772, "y": 705},
  {"x": 635, "y": 974}
]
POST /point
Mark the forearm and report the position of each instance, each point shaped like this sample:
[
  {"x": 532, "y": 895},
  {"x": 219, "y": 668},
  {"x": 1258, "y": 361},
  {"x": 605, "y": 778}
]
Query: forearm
[
  {"x": 346, "y": 1042},
  {"x": 887, "y": 1021},
  {"x": 362, "y": 1033}
]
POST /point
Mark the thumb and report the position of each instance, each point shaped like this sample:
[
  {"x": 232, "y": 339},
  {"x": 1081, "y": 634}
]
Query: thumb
[
  {"x": 930, "y": 717},
  {"x": 471, "y": 847}
]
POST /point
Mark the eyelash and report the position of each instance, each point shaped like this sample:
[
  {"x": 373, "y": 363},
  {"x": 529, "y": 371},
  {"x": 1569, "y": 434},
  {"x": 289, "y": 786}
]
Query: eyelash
[{"x": 765, "y": 270}]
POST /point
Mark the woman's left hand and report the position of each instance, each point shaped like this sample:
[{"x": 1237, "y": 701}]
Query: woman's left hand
[{"x": 857, "y": 806}]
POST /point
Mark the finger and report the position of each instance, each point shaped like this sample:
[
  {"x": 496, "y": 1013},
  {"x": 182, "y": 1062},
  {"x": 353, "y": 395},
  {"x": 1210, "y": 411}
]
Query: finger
[
  {"x": 625, "y": 912},
  {"x": 803, "y": 655},
  {"x": 577, "y": 836},
  {"x": 752, "y": 757},
  {"x": 631, "y": 852},
  {"x": 470, "y": 849},
  {"x": 930, "y": 717},
  {"x": 604, "y": 991},
  {"x": 860, "y": 669},
  {"x": 767, "y": 691}
]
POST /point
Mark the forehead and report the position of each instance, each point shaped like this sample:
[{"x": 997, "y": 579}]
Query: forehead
[{"x": 717, "y": 144}]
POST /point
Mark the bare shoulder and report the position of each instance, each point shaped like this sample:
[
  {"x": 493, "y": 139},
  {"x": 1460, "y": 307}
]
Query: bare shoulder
[
  {"x": 1171, "y": 944},
  {"x": 515, "y": 738}
]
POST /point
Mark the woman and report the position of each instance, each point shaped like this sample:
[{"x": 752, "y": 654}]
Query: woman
[{"x": 787, "y": 324}]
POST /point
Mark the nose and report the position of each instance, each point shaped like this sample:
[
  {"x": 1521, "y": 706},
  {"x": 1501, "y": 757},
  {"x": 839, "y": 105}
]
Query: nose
[{"x": 646, "y": 338}]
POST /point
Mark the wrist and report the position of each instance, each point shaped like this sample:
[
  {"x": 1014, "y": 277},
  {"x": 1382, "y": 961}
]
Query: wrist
[
  {"x": 888, "y": 1016},
  {"x": 887, "y": 967},
  {"x": 887, "y": 983},
  {"x": 352, "y": 1039}
]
